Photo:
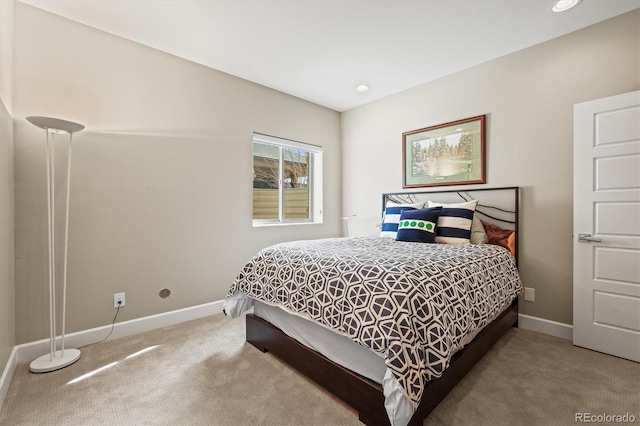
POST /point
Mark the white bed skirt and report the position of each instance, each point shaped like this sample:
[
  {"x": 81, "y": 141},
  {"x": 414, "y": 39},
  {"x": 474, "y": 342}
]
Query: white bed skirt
[{"x": 339, "y": 349}]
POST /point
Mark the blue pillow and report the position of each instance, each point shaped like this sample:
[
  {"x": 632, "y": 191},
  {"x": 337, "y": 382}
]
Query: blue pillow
[
  {"x": 418, "y": 226},
  {"x": 392, "y": 217}
]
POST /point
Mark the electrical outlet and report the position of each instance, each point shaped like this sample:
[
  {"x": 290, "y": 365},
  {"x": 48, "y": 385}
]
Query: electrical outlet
[
  {"x": 530, "y": 294},
  {"x": 118, "y": 300}
]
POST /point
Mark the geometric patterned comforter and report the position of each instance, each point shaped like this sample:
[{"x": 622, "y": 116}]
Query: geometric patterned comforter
[{"x": 412, "y": 302}]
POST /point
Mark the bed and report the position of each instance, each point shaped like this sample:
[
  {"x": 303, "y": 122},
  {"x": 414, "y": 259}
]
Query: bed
[{"x": 390, "y": 323}]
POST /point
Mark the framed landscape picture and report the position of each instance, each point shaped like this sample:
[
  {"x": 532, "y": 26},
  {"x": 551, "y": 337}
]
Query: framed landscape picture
[{"x": 446, "y": 154}]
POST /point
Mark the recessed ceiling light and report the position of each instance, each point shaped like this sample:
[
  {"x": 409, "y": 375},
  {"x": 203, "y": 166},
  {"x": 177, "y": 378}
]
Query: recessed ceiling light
[
  {"x": 362, "y": 88},
  {"x": 563, "y": 5}
]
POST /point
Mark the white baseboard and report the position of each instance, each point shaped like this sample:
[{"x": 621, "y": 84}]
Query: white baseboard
[
  {"x": 7, "y": 375},
  {"x": 541, "y": 325},
  {"x": 29, "y": 351}
]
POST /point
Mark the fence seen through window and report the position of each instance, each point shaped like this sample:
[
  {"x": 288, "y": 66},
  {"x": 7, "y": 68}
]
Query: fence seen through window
[{"x": 282, "y": 180}]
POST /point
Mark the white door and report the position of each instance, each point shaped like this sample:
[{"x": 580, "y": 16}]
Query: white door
[{"x": 606, "y": 211}]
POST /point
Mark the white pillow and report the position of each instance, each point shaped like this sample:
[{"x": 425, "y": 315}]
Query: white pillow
[
  {"x": 392, "y": 217},
  {"x": 454, "y": 223},
  {"x": 478, "y": 234}
]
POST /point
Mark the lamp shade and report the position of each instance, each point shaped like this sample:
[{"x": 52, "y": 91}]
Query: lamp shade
[{"x": 49, "y": 123}]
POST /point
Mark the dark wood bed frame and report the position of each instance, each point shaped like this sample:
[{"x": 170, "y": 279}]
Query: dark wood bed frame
[{"x": 364, "y": 395}]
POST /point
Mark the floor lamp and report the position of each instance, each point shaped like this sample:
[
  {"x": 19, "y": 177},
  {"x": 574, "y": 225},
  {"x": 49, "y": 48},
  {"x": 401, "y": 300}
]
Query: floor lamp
[{"x": 56, "y": 359}]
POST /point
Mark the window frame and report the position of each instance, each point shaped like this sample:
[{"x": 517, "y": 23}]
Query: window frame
[{"x": 314, "y": 176}]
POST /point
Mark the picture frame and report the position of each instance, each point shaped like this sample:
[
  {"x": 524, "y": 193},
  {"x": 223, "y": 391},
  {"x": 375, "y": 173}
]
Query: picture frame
[{"x": 446, "y": 154}]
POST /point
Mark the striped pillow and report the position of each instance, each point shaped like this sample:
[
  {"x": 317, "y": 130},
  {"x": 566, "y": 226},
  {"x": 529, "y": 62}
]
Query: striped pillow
[
  {"x": 454, "y": 223},
  {"x": 392, "y": 217}
]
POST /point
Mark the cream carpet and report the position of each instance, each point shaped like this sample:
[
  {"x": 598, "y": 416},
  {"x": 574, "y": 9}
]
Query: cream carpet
[{"x": 202, "y": 372}]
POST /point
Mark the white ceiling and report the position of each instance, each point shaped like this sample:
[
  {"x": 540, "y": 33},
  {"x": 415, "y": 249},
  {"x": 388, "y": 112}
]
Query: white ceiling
[{"x": 319, "y": 50}]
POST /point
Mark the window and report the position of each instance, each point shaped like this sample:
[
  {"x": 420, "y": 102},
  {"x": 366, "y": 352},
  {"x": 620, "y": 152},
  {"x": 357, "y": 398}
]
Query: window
[{"x": 287, "y": 183}]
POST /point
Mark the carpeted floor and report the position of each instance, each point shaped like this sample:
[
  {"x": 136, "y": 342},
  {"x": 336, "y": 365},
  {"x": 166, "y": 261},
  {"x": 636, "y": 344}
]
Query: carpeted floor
[{"x": 203, "y": 373}]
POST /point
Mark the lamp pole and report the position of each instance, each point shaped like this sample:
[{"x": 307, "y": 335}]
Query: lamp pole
[{"x": 56, "y": 359}]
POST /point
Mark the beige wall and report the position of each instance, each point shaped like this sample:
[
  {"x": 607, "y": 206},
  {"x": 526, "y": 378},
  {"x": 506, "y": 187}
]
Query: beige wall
[
  {"x": 7, "y": 277},
  {"x": 162, "y": 180},
  {"x": 6, "y": 53},
  {"x": 528, "y": 97},
  {"x": 7, "y": 281}
]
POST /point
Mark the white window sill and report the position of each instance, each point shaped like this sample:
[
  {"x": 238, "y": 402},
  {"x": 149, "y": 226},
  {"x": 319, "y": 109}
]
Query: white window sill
[{"x": 268, "y": 224}]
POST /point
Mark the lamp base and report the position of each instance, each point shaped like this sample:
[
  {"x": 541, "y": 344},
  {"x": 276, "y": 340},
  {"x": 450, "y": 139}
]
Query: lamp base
[{"x": 45, "y": 364}]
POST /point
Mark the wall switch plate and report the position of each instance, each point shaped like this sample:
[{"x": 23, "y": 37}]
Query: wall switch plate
[
  {"x": 530, "y": 294},
  {"x": 118, "y": 300}
]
